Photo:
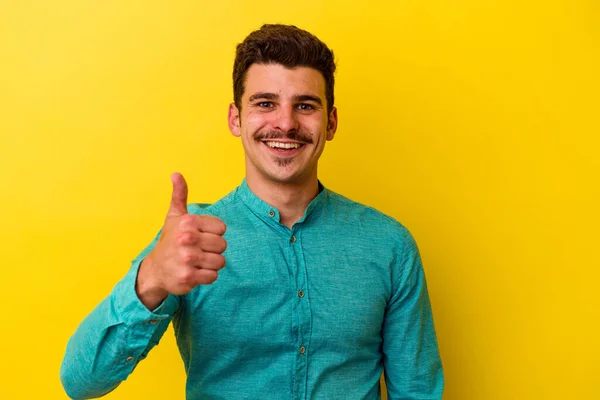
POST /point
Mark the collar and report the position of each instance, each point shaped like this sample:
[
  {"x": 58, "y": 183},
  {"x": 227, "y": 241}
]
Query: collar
[{"x": 270, "y": 214}]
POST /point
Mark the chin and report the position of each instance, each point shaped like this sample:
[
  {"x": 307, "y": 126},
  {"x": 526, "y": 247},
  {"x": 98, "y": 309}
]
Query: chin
[{"x": 270, "y": 171}]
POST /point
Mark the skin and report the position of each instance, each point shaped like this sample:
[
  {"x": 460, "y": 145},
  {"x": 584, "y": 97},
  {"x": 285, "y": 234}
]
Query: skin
[
  {"x": 283, "y": 103},
  {"x": 278, "y": 104}
]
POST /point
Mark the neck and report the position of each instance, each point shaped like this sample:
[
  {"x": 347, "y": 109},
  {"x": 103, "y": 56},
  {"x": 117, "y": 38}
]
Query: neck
[{"x": 290, "y": 199}]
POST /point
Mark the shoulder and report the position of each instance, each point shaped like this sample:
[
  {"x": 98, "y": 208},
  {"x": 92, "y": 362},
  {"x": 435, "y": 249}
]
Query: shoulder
[
  {"x": 354, "y": 212},
  {"x": 369, "y": 220},
  {"x": 221, "y": 206}
]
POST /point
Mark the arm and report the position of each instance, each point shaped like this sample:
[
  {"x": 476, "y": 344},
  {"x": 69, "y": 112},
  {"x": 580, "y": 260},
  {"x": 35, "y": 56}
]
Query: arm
[
  {"x": 121, "y": 330},
  {"x": 114, "y": 338},
  {"x": 412, "y": 364}
]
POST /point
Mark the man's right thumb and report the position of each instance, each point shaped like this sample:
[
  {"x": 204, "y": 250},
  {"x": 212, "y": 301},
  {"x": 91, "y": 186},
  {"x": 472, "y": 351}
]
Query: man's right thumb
[{"x": 178, "y": 205}]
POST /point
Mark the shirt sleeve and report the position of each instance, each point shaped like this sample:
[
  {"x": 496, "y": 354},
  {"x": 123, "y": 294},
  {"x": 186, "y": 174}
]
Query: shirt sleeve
[
  {"x": 114, "y": 338},
  {"x": 412, "y": 364}
]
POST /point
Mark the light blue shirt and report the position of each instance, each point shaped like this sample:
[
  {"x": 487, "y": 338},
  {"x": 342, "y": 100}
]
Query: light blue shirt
[{"x": 317, "y": 311}]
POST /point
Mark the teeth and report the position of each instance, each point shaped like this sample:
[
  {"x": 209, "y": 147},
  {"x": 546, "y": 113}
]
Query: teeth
[{"x": 283, "y": 145}]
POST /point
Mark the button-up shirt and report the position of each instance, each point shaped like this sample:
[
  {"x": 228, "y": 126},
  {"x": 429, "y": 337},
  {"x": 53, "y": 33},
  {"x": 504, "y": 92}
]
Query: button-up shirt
[{"x": 316, "y": 311}]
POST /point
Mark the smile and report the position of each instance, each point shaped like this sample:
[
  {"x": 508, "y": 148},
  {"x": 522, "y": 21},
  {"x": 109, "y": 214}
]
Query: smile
[
  {"x": 281, "y": 145},
  {"x": 283, "y": 148}
]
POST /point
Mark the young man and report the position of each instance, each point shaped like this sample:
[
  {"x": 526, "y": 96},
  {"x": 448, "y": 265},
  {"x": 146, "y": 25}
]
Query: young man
[{"x": 316, "y": 295}]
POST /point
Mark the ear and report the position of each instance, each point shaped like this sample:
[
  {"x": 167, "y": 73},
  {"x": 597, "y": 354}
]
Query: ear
[
  {"x": 233, "y": 119},
  {"x": 332, "y": 124}
]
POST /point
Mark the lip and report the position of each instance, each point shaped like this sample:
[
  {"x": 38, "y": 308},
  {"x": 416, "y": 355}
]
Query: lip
[{"x": 281, "y": 141}]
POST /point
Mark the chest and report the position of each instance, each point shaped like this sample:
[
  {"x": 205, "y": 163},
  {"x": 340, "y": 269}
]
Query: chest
[{"x": 277, "y": 291}]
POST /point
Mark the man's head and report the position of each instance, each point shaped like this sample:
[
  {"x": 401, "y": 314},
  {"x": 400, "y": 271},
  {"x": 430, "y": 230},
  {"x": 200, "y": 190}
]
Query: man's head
[
  {"x": 286, "y": 45},
  {"x": 283, "y": 103}
]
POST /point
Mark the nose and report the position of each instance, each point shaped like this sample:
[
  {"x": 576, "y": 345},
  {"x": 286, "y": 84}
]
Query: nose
[{"x": 285, "y": 119}]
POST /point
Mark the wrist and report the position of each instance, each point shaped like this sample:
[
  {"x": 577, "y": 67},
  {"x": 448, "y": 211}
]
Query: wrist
[{"x": 148, "y": 289}]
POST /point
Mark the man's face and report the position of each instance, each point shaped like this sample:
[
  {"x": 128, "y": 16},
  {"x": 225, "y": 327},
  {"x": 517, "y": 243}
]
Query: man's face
[{"x": 283, "y": 122}]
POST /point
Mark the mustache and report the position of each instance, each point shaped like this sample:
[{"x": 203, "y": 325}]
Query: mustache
[{"x": 293, "y": 135}]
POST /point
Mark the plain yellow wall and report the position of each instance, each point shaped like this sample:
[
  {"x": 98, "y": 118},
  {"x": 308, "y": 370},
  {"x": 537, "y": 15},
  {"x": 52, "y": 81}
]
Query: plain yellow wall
[{"x": 474, "y": 122}]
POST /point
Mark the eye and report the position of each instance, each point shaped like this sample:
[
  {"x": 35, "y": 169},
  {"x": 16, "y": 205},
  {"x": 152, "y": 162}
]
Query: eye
[
  {"x": 305, "y": 107},
  {"x": 265, "y": 104}
]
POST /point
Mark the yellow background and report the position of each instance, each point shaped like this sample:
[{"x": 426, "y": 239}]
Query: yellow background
[{"x": 474, "y": 122}]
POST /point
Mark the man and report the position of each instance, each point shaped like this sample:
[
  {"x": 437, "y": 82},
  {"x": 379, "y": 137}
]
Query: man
[{"x": 316, "y": 295}]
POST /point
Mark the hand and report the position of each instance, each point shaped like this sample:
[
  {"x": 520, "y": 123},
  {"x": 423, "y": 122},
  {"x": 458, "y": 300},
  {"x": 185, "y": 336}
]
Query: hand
[{"x": 187, "y": 254}]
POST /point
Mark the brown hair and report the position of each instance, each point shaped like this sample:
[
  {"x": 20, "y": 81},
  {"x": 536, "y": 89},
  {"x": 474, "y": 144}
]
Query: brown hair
[{"x": 286, "y": 45}]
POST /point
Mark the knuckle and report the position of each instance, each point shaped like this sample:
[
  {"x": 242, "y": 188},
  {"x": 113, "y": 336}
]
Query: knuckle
[
  {"x": 187, "y": 257},
  {"x": 185, "y": 238},
  {"x": 186, "y": 220},
  {"x": 186, "y": 278}
]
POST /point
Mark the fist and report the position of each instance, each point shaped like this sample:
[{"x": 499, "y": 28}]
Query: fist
[{"x": 188, "y": 252}]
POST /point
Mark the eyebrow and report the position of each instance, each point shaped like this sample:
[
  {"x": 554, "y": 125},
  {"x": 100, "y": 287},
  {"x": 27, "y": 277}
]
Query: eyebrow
[
  {"x": 264, "y": 95},
  {"x": 275, "y": 96},
  {"x": 308, "y": 97}
]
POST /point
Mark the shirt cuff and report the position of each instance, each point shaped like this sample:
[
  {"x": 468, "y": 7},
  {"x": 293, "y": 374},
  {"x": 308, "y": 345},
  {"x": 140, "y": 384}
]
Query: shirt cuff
[{"x": 130, "y": 308}]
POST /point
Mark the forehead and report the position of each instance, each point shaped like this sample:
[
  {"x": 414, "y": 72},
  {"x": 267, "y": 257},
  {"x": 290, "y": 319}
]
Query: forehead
[{"x": 275, "y": 78}]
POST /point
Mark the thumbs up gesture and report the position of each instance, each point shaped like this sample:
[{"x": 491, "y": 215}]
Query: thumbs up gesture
[{"x": 187, "y": 253}]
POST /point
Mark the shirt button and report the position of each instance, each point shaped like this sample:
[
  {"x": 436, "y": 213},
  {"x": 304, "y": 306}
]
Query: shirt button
[
  {"x": 300, "y": 293},
  {"x": 153, "y": 321},
  {"x": 302, "y": 350},
  {"x": 271, "y": 213},
  {"x": 129, "y": 359},
  {"x": 293, "y": 239}
]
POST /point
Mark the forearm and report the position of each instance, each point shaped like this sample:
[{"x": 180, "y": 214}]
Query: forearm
[
  {"x": 95, "y": 360},
  {"x": 111, "y": 340},
  {"x": 412, "y": 363},
  {"x": 413, "y": 368}
]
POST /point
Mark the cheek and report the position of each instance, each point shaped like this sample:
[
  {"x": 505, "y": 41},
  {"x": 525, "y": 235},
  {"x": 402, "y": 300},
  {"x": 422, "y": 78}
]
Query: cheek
[
  {"x": 318, "y": 129},
  {"x": 254, "y": 123},
  {"x": 254, "y": 119}
]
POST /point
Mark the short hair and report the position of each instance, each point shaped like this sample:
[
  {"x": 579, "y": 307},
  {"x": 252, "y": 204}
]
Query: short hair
[{"x": 286, "y": 45}]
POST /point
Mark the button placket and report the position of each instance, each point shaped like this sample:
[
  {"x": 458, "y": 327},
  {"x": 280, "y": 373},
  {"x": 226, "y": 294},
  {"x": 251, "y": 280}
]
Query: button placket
[{"x": 301, "y": 309}]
